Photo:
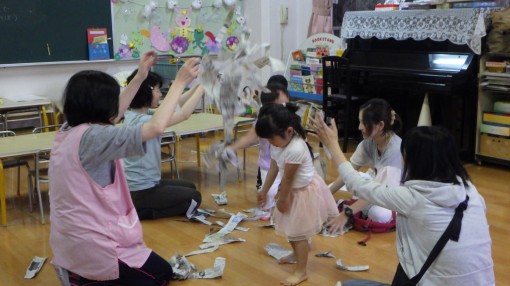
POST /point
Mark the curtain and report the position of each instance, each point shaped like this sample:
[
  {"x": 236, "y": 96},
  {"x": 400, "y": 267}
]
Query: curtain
[{"x": 321, "y": 21}]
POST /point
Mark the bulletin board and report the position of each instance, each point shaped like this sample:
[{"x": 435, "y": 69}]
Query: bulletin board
[
  {"x": 176, "y": 27},
  {"x": 49, "y": 31}
]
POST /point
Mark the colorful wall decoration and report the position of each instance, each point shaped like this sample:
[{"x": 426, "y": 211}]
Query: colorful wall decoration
[{"x": 176, "y": 27}]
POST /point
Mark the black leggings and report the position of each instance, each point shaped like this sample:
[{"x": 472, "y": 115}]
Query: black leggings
[
  {"x": 156, "y": 271},
  {"x": 168, "y": 198}
]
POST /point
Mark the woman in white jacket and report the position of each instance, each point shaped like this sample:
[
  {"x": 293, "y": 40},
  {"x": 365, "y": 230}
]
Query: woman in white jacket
[{"x": 434, "y": 184}]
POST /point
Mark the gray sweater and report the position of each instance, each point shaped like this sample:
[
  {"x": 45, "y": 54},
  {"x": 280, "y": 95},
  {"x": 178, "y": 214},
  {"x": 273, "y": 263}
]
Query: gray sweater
[{"x": 424, "y": 210}]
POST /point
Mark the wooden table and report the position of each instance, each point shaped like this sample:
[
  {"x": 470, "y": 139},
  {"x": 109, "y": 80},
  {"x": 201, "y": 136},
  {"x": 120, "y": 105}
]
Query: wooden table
[
  {"x": 18, "y": 146},
  {"x": 9, "y": 105}
]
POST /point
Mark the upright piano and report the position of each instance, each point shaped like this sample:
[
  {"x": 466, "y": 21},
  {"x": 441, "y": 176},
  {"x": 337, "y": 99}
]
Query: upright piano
[
  {"x": 437, "y": 53},
  {"x": 403, "y": 72}
]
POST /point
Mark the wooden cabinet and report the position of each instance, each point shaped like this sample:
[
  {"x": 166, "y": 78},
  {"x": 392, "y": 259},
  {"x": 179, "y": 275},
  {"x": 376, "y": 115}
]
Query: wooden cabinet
[{"x": 493, "y": 130}]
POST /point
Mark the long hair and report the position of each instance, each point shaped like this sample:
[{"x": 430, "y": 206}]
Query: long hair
[
  {"x": 143, "y": 96},
  {"x": 430, "y": 154},
  {"x": 377, "y": 110},
  {"x": 274, "y": 119},
  {"x": 91, "y": 97}
]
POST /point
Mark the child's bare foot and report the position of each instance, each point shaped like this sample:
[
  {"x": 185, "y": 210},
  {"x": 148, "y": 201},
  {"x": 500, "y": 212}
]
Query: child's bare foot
[
  {"x": 294, "y": 279},
  {"x": 289, "y": 259}
]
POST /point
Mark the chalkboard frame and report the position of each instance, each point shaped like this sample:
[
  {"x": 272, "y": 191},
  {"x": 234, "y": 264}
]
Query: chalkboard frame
[{"x": 45, "y": 32}]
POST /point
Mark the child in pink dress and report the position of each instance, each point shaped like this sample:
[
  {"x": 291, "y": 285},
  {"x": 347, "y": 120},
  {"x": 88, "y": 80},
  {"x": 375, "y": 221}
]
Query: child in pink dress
[{"x": 305, "y": 201}]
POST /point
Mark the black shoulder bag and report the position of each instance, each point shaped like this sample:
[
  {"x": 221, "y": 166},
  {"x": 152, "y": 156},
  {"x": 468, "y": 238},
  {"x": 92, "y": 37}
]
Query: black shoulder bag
[{"x": 452, "y": 232}]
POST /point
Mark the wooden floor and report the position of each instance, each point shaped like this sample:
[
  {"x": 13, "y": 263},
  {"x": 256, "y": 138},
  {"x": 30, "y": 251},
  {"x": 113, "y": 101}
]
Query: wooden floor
[{"x": 246, "y": 263}]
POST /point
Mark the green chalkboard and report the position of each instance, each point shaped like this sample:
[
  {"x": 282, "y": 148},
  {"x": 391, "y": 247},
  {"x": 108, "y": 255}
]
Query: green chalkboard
[{"x": 34, "y": 31}]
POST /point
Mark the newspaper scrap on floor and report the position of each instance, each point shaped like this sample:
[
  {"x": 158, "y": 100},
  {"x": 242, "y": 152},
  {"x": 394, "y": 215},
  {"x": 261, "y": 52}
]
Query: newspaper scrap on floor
[
  {"x": 325, "y": 232},
  {"x": 210, "y": 273},
  {"x": 269, "y": 225},
  {"x": 34, "y": 267},
  {"x": 339, "y": 265},
  {"x": 197, "y": 214},
  {"x": 220, "y": 199},
  {"x": 229, "y": 81},
  {"x": 181, "y": 267},
  {"x": 228, "y": 228},
  {"x": 327, "y": 254},
  {"x": 258, "y": 214},
  {"x": 209, "y": 249},
  {"x": 245, "y": 229},
  {"x": 221, "y": 241},
  {"x": 226, "y": 212},
  {"x": 278, "y": 252}
]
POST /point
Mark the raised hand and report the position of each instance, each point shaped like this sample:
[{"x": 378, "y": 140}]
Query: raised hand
[
  {"x": 327, "y": 135},
  {"x": 188, "y": 72},
  {"x": 147, "y": 60}
]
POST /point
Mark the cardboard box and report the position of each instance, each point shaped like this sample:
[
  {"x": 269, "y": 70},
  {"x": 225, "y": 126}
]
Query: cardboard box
[{"x": 493, "y": 146}]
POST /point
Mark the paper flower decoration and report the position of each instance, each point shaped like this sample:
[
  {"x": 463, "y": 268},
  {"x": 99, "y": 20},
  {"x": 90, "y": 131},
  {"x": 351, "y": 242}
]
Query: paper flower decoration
[
  {"x": 241, "y": 20},
  {"x": 196, "y": 4},
  {"x": 147, "y": 9},
  {"x": 217, "y": 3},
  {"x": 171, "y": 4}
]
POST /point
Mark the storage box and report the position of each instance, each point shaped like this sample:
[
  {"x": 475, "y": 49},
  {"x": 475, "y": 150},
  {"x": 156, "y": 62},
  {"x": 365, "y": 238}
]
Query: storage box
[
  {"x": 493, "y": 146},
  {"x": 495, "y": 66}
]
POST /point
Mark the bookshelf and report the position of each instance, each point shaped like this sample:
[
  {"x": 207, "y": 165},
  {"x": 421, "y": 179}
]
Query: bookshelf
[
  {"x": 493, "y": 118},
  {"x": 304, "y": 66}
]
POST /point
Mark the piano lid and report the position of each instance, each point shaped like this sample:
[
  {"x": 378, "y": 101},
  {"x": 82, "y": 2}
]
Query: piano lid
[{"x": 408, "y": 56}]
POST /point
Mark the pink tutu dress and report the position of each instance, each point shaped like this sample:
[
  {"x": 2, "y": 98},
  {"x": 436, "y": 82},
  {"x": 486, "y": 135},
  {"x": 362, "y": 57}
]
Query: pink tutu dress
[{"x": 311, "y": 202}]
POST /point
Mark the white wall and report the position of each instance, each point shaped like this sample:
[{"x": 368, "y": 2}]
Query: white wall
[
  {"x": 262, "y": 17},
  {"x": 49, "y": 80}
]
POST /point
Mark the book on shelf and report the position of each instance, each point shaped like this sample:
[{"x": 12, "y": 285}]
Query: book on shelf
[
  {"x": 498, "y": 118},
  {"x": 495, "y": 129},
  {"x": 296, "y": 83},
  {"x": 484, "y": 4},
  {"x": 318, "y": 85},
  {"x": 298, "y": 56},
  {"x": 501, "y": 106},
  {"x": 308, "y": 84}
]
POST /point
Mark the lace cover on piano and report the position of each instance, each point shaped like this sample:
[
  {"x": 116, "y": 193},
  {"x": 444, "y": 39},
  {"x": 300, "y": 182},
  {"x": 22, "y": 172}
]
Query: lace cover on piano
[{"x": 461, "y": 26}]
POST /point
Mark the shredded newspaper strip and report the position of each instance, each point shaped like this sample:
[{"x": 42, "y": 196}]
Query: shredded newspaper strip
[
  {"x": 339, "y": 265},
  {"x": 222, "y": 224},
  {"x": 183, "y": 269},
  {"x": 34, "y": 267},
  {"x": 198, "y": 214},
  {"x": 326, "y": 254},
  {"x": 211, "y": 248},
  {"x": 278, "y": 252},
  {"x": 221, "y": 241},
  {"x": 228, "y": 228},
  {"x": 229, "y": 81}
]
